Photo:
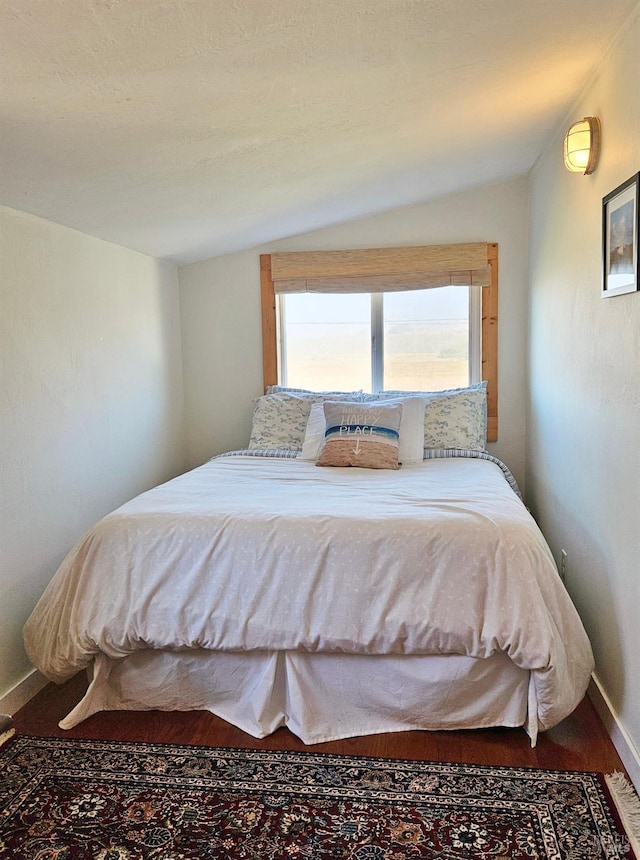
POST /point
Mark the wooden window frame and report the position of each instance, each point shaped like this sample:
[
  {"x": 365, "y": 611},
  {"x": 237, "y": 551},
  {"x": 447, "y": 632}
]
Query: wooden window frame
[{"x": 489, "y": 328}]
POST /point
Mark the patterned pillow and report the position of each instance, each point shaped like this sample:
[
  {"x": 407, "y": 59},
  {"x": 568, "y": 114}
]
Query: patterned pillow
[
  {"x": 280, "y": 420},
  {"x": 361, "y": 434},
  {"x": 454, "y": 418},
  {"x": 457, "y": 420}
]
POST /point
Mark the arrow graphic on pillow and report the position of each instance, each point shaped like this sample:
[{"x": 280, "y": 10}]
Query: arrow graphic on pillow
[{"x": 356, "y": 450}]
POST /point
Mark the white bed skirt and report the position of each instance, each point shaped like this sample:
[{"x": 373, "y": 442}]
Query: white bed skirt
[{"x": 319, "y": 697}]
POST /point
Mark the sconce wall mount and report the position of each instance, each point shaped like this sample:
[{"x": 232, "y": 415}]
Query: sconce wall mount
[{"x": 582, "y": 145}]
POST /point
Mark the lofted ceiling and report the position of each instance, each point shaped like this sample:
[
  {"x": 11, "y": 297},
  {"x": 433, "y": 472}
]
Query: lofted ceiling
[{"x": 186, "y": 129}]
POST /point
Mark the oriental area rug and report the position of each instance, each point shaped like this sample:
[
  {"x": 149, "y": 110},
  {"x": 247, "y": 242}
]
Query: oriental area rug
[{"x": 63, "y": 799}]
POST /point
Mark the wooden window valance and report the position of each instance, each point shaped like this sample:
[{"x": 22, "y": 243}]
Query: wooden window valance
[
  {"x": 381, "y": 269},
  {"x": 389, "y": 269}
]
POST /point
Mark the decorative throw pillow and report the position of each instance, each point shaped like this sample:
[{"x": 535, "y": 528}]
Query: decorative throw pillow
[
  {"x": 411, "y": 445},
  {"x": 361, "y": 434}
]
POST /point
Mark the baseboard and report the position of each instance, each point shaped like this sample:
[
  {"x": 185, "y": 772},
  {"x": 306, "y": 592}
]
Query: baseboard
[
  {"x": 616, "y": 731},
  {"x": 22, "y": 692}
]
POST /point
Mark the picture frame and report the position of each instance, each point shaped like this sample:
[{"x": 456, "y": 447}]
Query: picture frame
[{"x": 621, "y": 239}]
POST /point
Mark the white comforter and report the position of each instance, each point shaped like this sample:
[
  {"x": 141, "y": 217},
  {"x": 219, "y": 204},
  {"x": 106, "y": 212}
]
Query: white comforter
[{"x": 248, "y": 553}]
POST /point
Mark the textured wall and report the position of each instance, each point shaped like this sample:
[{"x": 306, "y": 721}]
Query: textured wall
[
  {"x": 220, "y": 302},
  {"x": 91, "y": 399},
  {"x": 583, "y": 462}
]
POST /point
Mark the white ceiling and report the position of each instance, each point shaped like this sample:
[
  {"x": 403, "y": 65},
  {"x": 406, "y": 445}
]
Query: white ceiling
[{"x": 191, "y": 128}]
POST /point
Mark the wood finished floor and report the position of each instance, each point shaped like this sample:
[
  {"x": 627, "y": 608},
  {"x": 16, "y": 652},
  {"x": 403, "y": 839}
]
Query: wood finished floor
[{"x": 580, "y": 742}]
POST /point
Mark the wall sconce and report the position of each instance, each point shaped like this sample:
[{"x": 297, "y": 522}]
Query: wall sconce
[{"x": 582, "y": 145}]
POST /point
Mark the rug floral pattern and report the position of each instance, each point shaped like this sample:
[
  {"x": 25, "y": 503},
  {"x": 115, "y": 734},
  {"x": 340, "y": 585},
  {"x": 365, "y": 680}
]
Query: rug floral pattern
[{"x": 63, "y": 799}]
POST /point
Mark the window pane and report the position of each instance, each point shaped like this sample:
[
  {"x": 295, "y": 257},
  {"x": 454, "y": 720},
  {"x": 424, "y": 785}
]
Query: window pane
[
  {"x": 426, "y": 339},
  {"x": 327, "y": 341}
]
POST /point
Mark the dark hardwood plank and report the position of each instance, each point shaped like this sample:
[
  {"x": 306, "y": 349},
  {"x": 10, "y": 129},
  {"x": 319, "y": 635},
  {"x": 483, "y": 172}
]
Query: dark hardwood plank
[{"x": 579, "y": 743}]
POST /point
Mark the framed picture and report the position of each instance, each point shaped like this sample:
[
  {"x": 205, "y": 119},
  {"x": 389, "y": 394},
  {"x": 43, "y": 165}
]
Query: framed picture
[{"x": 620, "y": 238}]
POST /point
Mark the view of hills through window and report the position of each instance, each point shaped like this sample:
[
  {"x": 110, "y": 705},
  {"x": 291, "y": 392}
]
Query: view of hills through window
[{"x": 327, "y": 340}]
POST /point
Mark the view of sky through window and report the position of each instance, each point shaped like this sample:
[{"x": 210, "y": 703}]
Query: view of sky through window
[{"x": 327, "y": 340}]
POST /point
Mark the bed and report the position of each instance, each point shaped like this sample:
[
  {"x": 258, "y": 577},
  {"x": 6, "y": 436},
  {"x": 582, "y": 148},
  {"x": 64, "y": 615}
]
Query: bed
[{"x": 335, "y": 601}]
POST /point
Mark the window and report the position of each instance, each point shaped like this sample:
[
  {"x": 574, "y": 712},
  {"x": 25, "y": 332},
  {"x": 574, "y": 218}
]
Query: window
[
  {"x": 412, "y": 340},
  {"x": 385, "y": 301}
]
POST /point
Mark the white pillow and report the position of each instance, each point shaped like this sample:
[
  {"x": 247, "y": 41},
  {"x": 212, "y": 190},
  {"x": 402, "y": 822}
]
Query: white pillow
[
  {"x": 411, "y": 430},
  {"x": 314, "y": 434}
]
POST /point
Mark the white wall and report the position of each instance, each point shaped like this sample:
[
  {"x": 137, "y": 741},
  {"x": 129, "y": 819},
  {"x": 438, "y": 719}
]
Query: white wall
[
  {"x": 91, "y": 400},
  {"x": 583, "y": 459},
  {"x": 221, "y": 322}
]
